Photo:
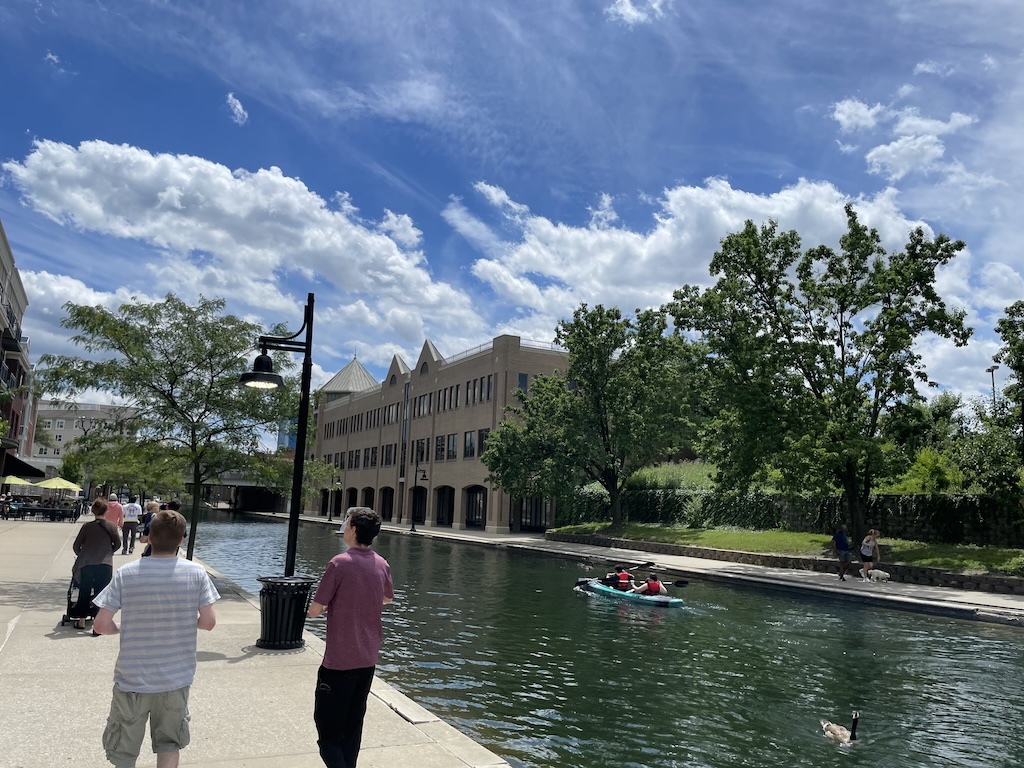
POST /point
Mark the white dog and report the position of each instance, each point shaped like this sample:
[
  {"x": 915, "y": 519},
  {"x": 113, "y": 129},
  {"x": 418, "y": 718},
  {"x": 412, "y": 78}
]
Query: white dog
[{"x": 876, "y": 574}]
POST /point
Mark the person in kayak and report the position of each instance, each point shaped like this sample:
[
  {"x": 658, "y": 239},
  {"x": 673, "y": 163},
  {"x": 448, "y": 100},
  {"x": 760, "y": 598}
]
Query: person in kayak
[
  {"x": 620, "y": 579},
  {"x": 651, "y": 587}
]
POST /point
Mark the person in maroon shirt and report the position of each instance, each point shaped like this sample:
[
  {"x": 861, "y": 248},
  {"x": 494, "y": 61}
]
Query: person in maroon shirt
[{"x": 352, "y": 591}]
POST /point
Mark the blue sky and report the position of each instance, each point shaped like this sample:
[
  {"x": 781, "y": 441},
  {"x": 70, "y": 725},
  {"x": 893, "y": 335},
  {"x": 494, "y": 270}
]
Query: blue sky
[{"x": 452, "y": 170}]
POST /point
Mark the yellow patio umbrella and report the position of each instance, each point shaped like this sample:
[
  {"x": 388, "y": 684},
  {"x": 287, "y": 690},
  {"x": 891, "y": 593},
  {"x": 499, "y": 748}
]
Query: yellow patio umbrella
[
  {"x": 14, "y": 480},
  {"x": 59, "y": 484}
]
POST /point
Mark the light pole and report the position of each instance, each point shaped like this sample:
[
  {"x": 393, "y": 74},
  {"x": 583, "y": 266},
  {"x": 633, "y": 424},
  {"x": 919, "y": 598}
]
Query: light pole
[
  {"x": 992, "y": 370},
  {"x": 417, "y": 475},
  {"x": 262, "y": 376}
]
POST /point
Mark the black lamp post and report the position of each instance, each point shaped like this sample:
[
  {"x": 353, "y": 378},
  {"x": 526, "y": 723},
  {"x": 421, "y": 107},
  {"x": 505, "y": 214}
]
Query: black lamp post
[
  {"x": 262, "y": 376},
  {"x": 992, "y": 370},
  {"x": 283, "y": 600},
  {"x": 417, "y": 475}
]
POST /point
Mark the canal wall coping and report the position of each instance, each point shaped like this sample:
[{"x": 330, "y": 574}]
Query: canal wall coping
[{"x": 909, "y": 574}]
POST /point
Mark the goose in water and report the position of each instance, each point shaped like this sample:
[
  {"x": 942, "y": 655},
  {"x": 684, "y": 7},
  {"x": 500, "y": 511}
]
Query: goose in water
[{"x": 839, "y": 733}]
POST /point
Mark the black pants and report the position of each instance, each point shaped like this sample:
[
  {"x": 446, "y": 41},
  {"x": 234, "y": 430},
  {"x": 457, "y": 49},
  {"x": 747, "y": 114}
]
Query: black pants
[
  {"x": 128, "y": 530},
  {"x": 338, "y": 712},
  {"x": 91, "y": 581}
]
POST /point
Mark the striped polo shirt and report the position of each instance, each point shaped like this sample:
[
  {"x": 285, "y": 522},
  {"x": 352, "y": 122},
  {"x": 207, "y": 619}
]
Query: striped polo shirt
[{"x": 159, "y": 599}]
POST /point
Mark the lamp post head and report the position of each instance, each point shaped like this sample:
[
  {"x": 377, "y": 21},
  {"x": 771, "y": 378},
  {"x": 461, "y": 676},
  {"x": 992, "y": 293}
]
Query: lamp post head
[{"x": 262, "y": 375}]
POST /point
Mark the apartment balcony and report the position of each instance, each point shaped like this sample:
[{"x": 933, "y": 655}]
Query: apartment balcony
[{"x": 11, "y": 336}]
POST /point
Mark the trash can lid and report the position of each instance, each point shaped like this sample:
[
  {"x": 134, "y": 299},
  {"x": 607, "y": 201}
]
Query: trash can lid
[{"x": 286, "y": 579}]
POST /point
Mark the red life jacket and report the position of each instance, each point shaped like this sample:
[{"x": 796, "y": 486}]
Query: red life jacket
[
  {"x": 653, "y": 587},
  {"x": 623, "y": 580}
]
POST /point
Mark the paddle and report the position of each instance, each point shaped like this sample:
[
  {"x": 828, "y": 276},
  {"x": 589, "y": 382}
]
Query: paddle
[{"x": 679, "y": 583}]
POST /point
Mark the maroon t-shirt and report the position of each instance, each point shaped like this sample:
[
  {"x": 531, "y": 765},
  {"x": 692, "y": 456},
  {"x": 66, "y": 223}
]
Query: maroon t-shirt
[{"x": 353, "y": 588}]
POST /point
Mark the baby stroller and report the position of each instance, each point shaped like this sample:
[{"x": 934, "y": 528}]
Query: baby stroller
[{"x": 72, "y": 602}]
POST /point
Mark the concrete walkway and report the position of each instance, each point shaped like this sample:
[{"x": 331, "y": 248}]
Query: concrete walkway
[{"x": 250, "y": 707}]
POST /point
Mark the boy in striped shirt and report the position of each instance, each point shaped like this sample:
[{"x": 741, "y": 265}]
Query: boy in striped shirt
[{"x": 163, "y": 601}]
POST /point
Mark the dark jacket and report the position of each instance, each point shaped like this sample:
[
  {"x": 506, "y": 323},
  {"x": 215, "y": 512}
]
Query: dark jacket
[{"x": 95, "y": 545}]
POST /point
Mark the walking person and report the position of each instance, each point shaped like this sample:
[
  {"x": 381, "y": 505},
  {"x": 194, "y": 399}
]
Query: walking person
[
  {"x": 164, "y": 600},
  {"x": 95, "y": 545},
  {"x": 115, "y": 512},
  {"x": 352, "y": 591},
  {"x": 132, "y": 514},
  {"x": 841, "y": 548},
  {"x": 869, "y": 553}
]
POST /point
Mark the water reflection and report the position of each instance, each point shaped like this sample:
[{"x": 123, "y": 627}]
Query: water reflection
[{"x": 498, "y": 643}]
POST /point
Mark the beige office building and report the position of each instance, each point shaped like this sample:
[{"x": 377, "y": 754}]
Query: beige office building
[{"x": 412, "y": 444}]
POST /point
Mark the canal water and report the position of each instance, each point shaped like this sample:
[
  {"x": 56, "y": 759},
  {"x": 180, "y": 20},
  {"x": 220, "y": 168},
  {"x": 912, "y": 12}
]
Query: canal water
[{"x": 497, "y": 643}]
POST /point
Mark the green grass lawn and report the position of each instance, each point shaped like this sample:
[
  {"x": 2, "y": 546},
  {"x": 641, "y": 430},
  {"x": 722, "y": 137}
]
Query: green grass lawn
[{"x": 957, "y": 558}]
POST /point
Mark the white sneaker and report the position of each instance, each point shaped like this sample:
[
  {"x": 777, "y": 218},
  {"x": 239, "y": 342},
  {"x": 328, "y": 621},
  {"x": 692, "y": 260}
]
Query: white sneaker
[{"x": 867, "y": 580}]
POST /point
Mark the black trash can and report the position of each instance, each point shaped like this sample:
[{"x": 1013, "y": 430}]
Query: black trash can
[{"x": 284, "y": 601}]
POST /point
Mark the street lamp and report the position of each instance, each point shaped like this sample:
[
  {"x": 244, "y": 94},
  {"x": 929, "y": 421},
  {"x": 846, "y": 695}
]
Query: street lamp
[
  {"x": 992, "y": 370},
  {"x": 417, "y": 475},
  {"x": 262, "y": 376}
]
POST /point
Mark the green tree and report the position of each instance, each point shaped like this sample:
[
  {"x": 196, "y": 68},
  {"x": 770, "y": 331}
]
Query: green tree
[
  {"x": 177, "y": 365},
  {"x": 809, "y": 352},
  {"x": 1011, "y": 330},
  {"x": 615, "y": 410}
]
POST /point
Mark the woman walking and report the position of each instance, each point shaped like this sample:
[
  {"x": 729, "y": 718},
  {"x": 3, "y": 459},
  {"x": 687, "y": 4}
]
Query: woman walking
[
  {"x": 869, "y": 553},
  {"x": 95, "y": 545}
]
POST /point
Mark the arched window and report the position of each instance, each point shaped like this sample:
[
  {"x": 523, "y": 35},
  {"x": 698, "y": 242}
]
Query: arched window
[
  {"x": 423, "y": 368},
  {"x": 393, "y": 380}
]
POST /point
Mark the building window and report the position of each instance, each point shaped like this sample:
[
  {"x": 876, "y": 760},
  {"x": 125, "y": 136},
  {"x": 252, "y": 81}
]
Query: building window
[
  {"x": 389, "y": 455},
  {"x": 393, "y": 380},
  {"x": 48, "y": 424},
  {"x": 453, "y": 447},
  {"x": 482, "y": 440},
  {"x": 524, "y": 381},
  {"x": 469, "y": 446},
  {"x": 60, "y": 423},
  {"x": 366, "y": 457},
  {"x": 43, "y": 450},
  {"x": 439, "y": 448},
  {"x": 56, "y": 451},
  {"x": 60, "y": 438},
  {"x": 373, "y": 456},
  {"x": 423, "y": 368}
]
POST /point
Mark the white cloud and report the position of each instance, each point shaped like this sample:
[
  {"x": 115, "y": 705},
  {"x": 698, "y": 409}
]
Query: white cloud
[
  {"x": 905, "y": 90},
  {"x": 846, "y": 149},
  {"x": 238, "y": 114},
  {"x": 910, "y": 123},
  {"x": 909, "y": 153},
  {"x": 551, "y": 267},
  {"x": 260, "y": 239},
  {"x": 930, "y": 67},
  {"x": 632, "y": 12},
  {"x": 604, "y": 215},
  {"x": 855, "y": 115},
  {"x": 52, "y": 58}
]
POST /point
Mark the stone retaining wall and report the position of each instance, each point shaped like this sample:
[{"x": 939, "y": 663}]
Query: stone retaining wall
[{"x": 911, "y": 574}]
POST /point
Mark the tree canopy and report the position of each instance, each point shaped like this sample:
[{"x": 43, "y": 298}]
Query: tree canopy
[
  {"x": 616, "y": 409},
  {"x": 808, "y": 351},
  {"x": 177, "y": 365}
]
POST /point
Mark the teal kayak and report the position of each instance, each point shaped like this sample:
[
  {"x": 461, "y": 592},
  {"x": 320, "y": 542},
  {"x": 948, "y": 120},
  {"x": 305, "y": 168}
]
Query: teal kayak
[{"x": 661, "y": 601}]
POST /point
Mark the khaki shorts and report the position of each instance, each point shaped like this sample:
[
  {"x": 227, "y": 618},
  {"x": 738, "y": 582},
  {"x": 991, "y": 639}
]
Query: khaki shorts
[{"x": 126, "y": 725}]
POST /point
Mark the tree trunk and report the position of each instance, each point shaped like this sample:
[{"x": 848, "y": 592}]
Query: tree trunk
[
  {"x": 615, "y": 504},
  {"x": 856, "y": 505},
  {"x": 196, "y": 487}
]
